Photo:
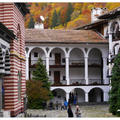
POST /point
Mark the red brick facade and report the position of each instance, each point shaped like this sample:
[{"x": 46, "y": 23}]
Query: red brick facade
[{"x": 13, "y": 19}]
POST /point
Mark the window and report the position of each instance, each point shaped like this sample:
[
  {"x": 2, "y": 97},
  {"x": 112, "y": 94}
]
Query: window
[
  {"x": 49, "y": 73},
  {"x": 35, "y": 54}
]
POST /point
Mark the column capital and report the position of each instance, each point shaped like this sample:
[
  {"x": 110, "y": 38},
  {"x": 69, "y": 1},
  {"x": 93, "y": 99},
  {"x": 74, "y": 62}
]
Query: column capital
[{"x": 110, "y": 32}]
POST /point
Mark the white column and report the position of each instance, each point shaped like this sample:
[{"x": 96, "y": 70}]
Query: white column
[
  {"x": 86, "y": 70},
  {"x": 110, "y": 51},
  {"x": 47, "y": 64},
  {"x": 27, "y": 67},
  {"x": 106, "y": 96},
  {"x": 86, "y": 96},
  {"x": 67, "y": 96},
  {"x": 104, "y": 70},
  {"x": 67, "y": 70}
]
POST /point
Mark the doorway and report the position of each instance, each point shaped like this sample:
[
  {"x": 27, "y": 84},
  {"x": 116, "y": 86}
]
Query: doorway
[
  {"x": 57, "y": 58},
  {"x": 56, "y": 77}
]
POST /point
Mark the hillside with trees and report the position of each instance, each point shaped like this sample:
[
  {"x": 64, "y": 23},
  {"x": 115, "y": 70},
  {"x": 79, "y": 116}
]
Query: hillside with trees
[{"x": 63, "y": 15}]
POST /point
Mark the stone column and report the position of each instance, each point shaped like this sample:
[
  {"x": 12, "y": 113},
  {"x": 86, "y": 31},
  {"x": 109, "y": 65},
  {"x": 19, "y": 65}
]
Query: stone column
[
  {"x": 47, "y": 65},
  {"x": 1, "y": 113},
  {"x": 86, "y": 96},
  {"x": 104, "y": 70},
  {"x": 27, "y": 67},
  {"x": 106, "y": 96},
  {"x": 67, "y": 96},
  {"x": 86, "y": 70},
  {"x": 110, "y": 51},
  {"x": 67, "y": 70}
]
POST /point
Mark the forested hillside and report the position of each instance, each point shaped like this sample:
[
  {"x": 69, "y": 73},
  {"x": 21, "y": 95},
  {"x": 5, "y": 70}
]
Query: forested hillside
[{"x": 63, "y": 15}]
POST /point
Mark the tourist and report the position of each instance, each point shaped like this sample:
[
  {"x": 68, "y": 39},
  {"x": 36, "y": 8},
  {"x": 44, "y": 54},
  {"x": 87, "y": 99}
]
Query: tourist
[
  {"x": 70, "y": 113},
  {"x": 78, "y": 111},
  {"x": 51, "y": 104},
  {"x": 56, "y": 105},
  {"x": 62, "y": 104},
  {"x": 44, "y": 105},
  {"x": 65, "y": 104},
  {"x": 75, "y": 99}
]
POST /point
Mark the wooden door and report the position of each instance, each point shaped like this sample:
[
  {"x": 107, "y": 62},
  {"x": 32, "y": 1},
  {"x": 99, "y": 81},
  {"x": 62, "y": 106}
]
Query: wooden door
[
  {"x": 56, "y": 77},
  {"x": 57, "y": 58}
]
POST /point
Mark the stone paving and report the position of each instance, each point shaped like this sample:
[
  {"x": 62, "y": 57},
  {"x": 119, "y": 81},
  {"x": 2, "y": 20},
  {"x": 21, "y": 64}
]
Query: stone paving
[{"x": 87, "y": 111}]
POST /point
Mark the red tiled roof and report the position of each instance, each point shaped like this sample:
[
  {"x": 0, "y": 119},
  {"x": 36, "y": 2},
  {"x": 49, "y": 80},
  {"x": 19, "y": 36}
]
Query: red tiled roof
[{"x": 62, "y": 36}]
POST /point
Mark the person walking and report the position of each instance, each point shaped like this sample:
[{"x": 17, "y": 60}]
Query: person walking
[
  {"x": 51, "y": 104},
  {"x": 70, "y": 113},
  {"x": 75, "y": 99},
  {"x": 78, "y": 111},
  {"x": 56, "y": 105},
  {"x": 44, "y": 105},
  {"x": 65, "y": 104},
  {"x": 62, "y": 104}
]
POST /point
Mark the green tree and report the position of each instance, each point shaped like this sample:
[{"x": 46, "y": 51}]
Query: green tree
[
  {"x": 40, "y": 74},
  {"x": 58, "y": 19},
  {"x": 115, "y": 80},
  {"x": 31, "y": 22},
  {"x": 68, "y": 12},
  {"x": 54, "y": 19},
  {"x": 118, "y": 101},
  {"x": 38, "y": 89}
]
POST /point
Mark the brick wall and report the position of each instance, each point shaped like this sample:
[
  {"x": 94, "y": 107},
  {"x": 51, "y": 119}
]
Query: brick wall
[{"x": 12, "y": 18}]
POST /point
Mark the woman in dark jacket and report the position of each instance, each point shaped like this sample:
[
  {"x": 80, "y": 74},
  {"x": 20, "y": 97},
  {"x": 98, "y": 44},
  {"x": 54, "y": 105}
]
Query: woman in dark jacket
[{"x": 70, "y": 113}]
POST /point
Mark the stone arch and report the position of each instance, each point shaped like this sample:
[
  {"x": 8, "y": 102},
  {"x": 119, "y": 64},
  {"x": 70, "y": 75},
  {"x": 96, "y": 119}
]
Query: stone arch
[
  {"x": 64, "y": 51},
  {"x": 114, "y": 51},
  {"x": 59, "y": 94},
  {"x": 39, "y": 52},
  {"x": 112, "y": 25},
  {"x": 97, "y": 49},
  {"x": 80, "y": 95},
  {"x": 30, "y": 49},
  {"x": 95, "y": 95},
  {"x": 77, "y": 48}
]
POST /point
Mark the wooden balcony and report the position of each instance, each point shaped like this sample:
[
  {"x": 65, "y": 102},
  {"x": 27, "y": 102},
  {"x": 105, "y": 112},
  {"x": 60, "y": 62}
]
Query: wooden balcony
[{"x": 72, "y": 63}]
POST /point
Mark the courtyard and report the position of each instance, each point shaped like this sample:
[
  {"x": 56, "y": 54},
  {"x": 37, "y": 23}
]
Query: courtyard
[{"x": 92, "y": 110}]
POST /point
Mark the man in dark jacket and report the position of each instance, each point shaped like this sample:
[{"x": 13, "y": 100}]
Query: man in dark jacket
[{"x": 70, "y": 113}]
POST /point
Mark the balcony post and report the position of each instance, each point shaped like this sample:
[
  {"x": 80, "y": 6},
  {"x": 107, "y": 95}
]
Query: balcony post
[
  {"x": 86, "y": 96},
  {"x": 104, "y": 70},
  {"x": 27, "y": 67},
  {"x": 86, "y": 69},
  {"x": 67, "y": 96},
  {"x": 67, "y": 70},
  {"x": 47, "y": 65}
]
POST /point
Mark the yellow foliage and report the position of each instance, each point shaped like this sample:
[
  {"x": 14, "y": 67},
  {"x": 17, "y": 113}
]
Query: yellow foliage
[
  {"x": 59, "y": 27},
  {"x": 77, "y": 6},
  {"x": 90, "y": 7}
]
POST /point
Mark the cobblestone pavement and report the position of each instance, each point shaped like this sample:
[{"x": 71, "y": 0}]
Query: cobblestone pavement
[{"x": 87, "y": 111}]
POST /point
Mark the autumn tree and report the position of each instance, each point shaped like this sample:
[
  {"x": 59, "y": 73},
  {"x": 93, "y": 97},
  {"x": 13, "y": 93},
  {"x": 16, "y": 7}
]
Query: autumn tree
[
  {"x": 63, "y": 16},
  {"x": 36, "y": 94},
  {"x": 68, "y": 12},
  {"x": 54, "y": 19}
]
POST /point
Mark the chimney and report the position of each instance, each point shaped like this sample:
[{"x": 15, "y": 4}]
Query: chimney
[{"x": 95, "y": 12}]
